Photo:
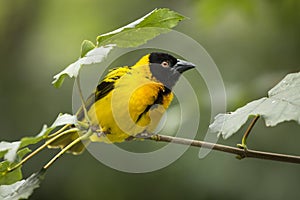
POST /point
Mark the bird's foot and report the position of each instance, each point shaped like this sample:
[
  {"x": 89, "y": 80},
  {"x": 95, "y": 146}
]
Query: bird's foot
[{"x": 144, "y": 135}]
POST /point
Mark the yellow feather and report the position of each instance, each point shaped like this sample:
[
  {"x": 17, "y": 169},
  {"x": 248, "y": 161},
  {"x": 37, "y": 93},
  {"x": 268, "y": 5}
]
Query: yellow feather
[
  {"x": 128, "y": 101},
  {"x": 117, "y": 113}
]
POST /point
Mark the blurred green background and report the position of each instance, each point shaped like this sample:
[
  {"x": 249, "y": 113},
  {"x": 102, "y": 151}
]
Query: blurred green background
[{"x": 255, "y": 43}]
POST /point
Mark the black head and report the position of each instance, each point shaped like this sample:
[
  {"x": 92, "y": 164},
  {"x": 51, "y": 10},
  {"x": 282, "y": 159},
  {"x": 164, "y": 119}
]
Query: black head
[{"x": 167, "y": 69}]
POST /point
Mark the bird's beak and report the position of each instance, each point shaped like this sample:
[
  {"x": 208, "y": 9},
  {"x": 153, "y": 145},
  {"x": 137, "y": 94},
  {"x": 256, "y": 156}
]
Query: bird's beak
[{"x": 182, "y": 66}]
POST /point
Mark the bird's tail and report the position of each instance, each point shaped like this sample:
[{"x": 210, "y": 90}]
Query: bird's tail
[{"x": 65, "y": 139}]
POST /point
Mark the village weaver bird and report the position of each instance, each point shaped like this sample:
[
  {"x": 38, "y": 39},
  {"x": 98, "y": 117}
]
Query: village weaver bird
[{"x": 128, "y": 102}]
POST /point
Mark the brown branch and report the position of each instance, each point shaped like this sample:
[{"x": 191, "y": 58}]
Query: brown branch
[{"x": 242, "y": 153}]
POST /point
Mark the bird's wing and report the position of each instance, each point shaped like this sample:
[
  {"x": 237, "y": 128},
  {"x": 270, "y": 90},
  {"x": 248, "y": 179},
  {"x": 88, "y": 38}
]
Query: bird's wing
[
  {"x": 147, "y": 97},
  {"x": 104, "y": 87}
]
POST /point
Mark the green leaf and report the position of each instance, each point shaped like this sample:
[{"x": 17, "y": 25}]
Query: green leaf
[
  {"x": 2, "y": 153},
  {"x": 96, "y": 55},
  {"x": 21, "y": 153},
  {"x": 16, "y": 175},
  {"x": 64, "y": 119},
  {"x": 21, "y": 189},
  {"x": 9, "y": 177},
  {"x": 61, "y": 120},
  {"x": 282, "y": 104},
  {"x": 161, "y": 18},
  {"x": 33, "y": 140},
  {"x": 158, "y": 18},
  {"x": 10, "y": 148},
  {"x": 135, "y": 37},
  {"x": 4, "y": 165},
  {"x": 15, "y": 151},
  {"x": 132, "y": 35},
  {"x": 86, "y": 46}
]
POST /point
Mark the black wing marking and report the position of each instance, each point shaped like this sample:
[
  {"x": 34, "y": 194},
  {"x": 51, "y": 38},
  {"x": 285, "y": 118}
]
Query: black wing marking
[
  {"x": 158, "y": 100},
  {"x": 107, "y": 85},
  {"x": 102, "y": 90}
]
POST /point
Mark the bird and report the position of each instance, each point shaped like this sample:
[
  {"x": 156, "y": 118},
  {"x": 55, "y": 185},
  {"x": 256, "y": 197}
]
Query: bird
[{"x": 128, "y": 102}]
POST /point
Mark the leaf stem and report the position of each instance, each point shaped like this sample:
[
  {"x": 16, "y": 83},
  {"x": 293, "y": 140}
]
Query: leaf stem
[
  {"x": 247, "y": 133},
  {"x": 59, "y": 131},
  {"x": 242, "y": 153},
  {"x": 79, "y": 139},
  {"x": 41, "y": 148}
]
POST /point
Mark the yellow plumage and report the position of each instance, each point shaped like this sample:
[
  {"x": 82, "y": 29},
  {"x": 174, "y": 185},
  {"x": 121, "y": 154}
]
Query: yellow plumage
[{"x": 130, "y": 100}]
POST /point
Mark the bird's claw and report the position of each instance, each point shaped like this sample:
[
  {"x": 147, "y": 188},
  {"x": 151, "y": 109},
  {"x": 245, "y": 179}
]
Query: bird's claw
[{"x": 144, "y": 135}]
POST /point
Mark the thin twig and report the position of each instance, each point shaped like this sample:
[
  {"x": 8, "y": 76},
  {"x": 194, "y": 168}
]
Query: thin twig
[
  {"x": 82, "y": 100},
  {"x": 242, "y": 153}
]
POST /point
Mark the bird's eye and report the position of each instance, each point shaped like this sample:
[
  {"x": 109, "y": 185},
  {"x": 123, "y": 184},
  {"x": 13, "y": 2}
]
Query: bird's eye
[{"x": 165, "y": 64}]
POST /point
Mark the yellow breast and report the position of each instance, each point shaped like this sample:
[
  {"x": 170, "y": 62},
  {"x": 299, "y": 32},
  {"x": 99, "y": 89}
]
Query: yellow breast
[{"x": 129, "y": 108}]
